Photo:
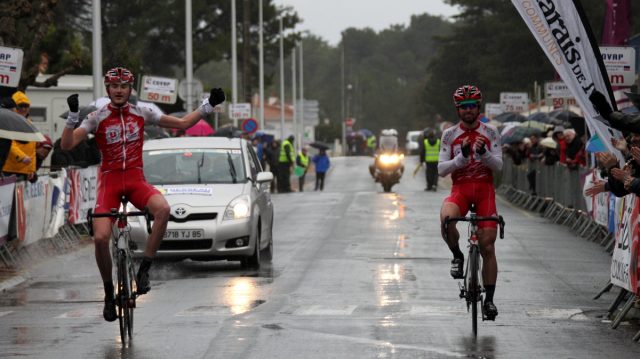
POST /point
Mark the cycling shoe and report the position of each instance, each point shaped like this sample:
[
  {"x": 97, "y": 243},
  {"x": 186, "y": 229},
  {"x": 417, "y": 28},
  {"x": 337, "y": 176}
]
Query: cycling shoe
[
  {"x": 457, "y": 271},
  {"x": 142, "y": 282},
  {"x": 490, "y": 311},
  {"x": 109, "y": 311}
]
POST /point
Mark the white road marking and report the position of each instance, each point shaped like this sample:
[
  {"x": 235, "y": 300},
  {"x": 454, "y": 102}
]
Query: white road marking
[{"x": 325, "y": 310}]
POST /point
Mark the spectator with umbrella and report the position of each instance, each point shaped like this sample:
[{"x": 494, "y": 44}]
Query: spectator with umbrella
[{"x": 21, "y": 160}]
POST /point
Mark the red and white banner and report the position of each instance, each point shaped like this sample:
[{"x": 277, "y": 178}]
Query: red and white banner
[
  {"x": 561, "y": 29},
  {"x": 31, "y": 209},
  {"x": 624, "y": 261},
  {"x": 7, "y": 187},
  {"x": 82, "y": 196}
]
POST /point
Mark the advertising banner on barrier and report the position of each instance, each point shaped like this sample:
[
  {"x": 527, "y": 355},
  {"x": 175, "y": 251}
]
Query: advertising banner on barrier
[
  {"x": 598, "y": 205},
  {"x": 7, "y": 186},
  {"x": 82, "y": 196},
  {"x": 31, "y": 210},
  {"x": 626, "y": 233},
  {"x": 55, "y": 205}
]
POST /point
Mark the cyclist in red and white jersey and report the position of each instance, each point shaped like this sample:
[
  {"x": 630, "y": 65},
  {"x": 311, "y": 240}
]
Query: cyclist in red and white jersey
[
  {"x": 119, "y": 131},
  {"x": 470, "y": 152}
]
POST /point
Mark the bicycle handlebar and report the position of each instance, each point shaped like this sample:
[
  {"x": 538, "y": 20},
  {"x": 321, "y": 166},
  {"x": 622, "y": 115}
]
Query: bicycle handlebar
[
  {"x": 115, "y": 214},
  {"x": 475, "y": 220}
]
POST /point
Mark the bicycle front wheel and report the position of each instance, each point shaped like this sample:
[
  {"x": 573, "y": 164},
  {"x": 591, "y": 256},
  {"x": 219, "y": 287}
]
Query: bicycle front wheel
[
  {"x": 474, "y": 288},
  {"x": 121, "y": 297}
]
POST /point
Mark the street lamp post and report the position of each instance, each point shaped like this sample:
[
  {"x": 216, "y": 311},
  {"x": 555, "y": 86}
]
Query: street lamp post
[
  {"x": 234, "y": 60},
  {"x": 293, "y": 91},
  {"x": 261, "y": 47},
  {"x": 189, "y": 55},
  {"x": 301, "y": 120},
  {"x": 97, "y": 50},
  {"x": 281, "y": 82}
]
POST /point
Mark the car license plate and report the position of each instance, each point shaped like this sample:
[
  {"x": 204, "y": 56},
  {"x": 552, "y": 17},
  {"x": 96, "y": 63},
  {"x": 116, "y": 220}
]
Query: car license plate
[{"x": 184, "y": 234}]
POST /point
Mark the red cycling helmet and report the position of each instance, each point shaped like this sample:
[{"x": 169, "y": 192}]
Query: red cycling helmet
[
  {"x": 118, "y": 75},
  {"x": 467, "y": 94}
]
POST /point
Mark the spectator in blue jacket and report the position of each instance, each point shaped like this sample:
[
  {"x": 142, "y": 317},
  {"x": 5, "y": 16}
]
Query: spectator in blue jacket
[{"x": 322, "y": 163}]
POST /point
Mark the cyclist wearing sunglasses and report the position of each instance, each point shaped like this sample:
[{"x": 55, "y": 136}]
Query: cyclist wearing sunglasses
[
  {"x": 119, "y": 132},
  {"x": 470, "y": 152}
]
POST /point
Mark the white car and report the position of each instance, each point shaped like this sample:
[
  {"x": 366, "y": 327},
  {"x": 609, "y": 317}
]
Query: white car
[
  {"x": 219, "y": 196},
  {"x": 411, "y": 145}
]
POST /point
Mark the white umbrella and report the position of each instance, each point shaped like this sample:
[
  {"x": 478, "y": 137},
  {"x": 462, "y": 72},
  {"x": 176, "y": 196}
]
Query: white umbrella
[{"x": 548, "y": 142}]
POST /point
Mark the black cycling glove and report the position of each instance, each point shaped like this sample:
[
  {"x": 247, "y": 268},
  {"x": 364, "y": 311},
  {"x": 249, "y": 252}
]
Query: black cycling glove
[
  {"x": 482, "y": 149},
  {"x": 601, "y": 104},
  {"x": 466, "y": 150},
  {"x": 216, "y": 96},
  {"x": 73, "y": 103}
]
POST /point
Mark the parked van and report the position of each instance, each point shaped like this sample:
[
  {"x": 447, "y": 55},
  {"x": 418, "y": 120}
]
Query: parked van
[{"x": 411, "y": 145}]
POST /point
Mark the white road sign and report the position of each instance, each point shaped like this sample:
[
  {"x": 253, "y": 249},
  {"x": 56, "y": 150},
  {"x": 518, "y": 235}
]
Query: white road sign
[
  {"x": 492, "y": 110},
  {"x": 10, "y": 66},
  {"x": 240, "y": 110},
  {"x": 159, "y": 89},
  {"x": 620, "y": 63},
  {"x": 514, "y": 101}
]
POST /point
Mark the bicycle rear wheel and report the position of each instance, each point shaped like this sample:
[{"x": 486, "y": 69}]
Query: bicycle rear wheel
[{"x": 474, "y": 288}]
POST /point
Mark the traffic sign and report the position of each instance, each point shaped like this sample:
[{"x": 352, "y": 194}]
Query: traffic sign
[
  {"x": 10, "y": 66},
  {"x": 158, "y": 89},
  {"x": 249, "y": 125},
  {"x": 240, "y": 110},
  {"x": 196, "y": 90}
]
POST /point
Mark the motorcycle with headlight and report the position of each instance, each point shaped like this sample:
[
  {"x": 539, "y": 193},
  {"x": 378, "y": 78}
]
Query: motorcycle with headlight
[{"x": 387, "y": 169}]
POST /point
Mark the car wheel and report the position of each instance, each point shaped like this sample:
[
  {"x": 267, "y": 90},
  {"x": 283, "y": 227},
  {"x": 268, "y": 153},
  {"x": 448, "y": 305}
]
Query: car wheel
[
  {"x": 267, "y": 253},
  {"x": 254, "y": 260}
]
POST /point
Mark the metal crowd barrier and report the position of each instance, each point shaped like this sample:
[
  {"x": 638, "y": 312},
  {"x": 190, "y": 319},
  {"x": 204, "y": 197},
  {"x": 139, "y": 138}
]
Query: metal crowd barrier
[{"x": 558, "y": 197}]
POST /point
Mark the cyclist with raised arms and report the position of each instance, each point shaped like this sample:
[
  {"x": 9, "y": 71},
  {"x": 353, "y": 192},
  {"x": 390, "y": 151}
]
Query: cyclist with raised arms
[
  {"x": 119, "y": 131},
  {"x": 470, "y": 152}
]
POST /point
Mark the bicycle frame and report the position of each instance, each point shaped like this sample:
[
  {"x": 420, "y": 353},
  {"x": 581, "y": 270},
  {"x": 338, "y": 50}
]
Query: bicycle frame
[
  {"x": 121, "y": 255},
  {"x": 472, "y": 287}
]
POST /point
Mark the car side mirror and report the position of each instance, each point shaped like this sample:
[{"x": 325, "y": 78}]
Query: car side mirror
[{"x": 264, "y": 177}]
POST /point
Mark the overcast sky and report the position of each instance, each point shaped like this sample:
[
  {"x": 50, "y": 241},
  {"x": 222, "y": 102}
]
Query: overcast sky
[{"x": 327, "y": 18}]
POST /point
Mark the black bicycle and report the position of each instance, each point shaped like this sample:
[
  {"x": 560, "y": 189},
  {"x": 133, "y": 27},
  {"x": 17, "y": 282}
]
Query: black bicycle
[
  {"x": 123, "y": 261},
  {"x": 471, "y": 289}
]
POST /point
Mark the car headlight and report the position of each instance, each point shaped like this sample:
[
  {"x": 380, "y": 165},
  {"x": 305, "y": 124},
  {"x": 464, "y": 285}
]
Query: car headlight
[{"x": 238, "y": 208}]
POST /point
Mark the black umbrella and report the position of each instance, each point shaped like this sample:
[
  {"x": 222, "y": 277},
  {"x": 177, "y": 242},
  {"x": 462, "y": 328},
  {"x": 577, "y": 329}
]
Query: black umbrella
[
  {"x": 15, "y": 127},
  {"x": 540, "y": 117},
  {"x": 228, "y": 131},
  {"x": 519, "y": 133},
  {"x": 319, "y": 145},
  {"x": 510, "y": 117},
  {"x": 567, "y": 119},
  {"x": 84, "y": 112}
]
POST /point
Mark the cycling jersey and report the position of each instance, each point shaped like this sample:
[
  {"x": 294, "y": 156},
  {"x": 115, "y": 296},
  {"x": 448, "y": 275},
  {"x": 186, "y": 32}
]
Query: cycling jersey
[
  {"x": 472, "y": 177},
  {"x": 119, "y": 134},
  {"x": 475, "y": 168}
]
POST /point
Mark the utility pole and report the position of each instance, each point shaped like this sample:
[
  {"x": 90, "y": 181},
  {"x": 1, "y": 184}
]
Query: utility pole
[
  {"x": 294, "y": 121},
  {"x": 246, "y": 50},
  {"x": 344, "y": 117}
]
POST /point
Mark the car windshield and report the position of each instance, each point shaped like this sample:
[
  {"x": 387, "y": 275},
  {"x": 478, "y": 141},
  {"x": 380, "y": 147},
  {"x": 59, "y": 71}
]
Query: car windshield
[
  {"x": 414, "y": 137},
  {"x": 189, "y": 166}
]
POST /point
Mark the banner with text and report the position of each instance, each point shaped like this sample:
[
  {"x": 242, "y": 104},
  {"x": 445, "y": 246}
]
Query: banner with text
[
  {"x": 31, "y": 209},
  {"x": 563, "y": 34},
  {"x": 7, "y": 187},
  {"x": 624, "y": 261},
  {"x": 82, "y": 196},
  {"x": 55, "y": 216}
]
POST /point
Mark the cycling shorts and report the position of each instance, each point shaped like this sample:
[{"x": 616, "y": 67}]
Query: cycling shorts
[
  {"x": 482, "y": 194},
  {"x": 112, "y": 185}
]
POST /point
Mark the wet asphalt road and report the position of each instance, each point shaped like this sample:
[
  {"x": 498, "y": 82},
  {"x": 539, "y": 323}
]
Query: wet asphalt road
[{"x": 356, "y": 273}]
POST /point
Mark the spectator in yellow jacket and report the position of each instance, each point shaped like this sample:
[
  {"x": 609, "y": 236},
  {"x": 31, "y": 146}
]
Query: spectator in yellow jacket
[{"x": 22, "y": 155}]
